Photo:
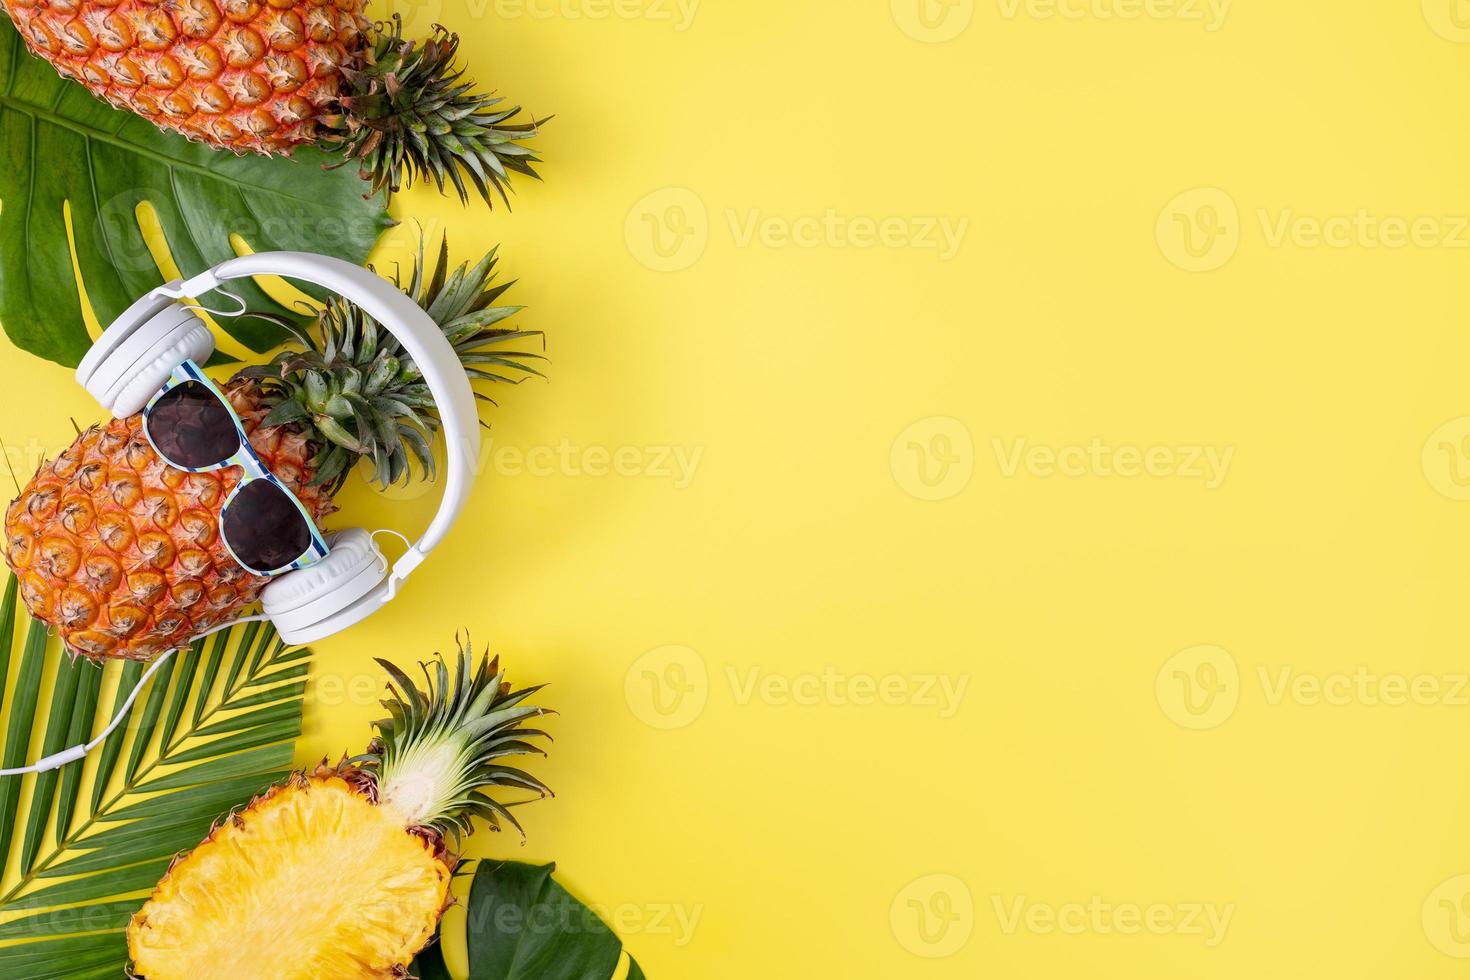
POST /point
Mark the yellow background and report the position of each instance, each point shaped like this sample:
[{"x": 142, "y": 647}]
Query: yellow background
[{"x": 827, "y": 387}]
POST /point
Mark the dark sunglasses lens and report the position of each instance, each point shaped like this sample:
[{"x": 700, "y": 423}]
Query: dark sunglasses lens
[
  {"x": 264, "y": 528},
  {"x": 191, "y": 427}
]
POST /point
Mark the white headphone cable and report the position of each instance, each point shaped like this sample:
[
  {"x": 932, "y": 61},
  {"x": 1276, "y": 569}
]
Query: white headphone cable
[
  {"x": 393, "y": 581},
  {"x": 76, "y": 752}
]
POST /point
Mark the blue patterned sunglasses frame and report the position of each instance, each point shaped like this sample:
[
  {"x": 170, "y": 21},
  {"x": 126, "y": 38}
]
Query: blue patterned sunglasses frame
[{"x": 251, "y": 466}]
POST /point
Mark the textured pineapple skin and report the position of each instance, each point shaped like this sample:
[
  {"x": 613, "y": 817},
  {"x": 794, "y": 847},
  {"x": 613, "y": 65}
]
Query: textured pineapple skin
[
  {"x": 313, "y": 881},
  {"x": 241, "y": 74},
  {"x": 121, "y": 552}
]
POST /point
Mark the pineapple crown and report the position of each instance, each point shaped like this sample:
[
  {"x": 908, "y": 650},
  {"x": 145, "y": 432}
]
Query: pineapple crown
[
  {"x": 407, "y": 112},
  {"x": 359, "y": 395},
  {"x": 440, "y": 749}
]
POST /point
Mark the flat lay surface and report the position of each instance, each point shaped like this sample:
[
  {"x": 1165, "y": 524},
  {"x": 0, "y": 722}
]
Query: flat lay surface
[{"x": 1000, "y": 501}]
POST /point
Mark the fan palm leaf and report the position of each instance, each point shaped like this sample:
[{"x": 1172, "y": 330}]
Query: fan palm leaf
[{"x": 81, "y": 847}]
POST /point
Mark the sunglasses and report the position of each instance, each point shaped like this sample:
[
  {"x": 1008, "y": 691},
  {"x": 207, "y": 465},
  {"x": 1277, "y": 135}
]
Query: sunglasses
[{"x": 192, "y": 426}]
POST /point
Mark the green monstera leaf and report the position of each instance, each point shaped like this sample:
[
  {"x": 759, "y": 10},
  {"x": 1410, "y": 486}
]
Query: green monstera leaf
[
  {"x": 73, "y": 172},
  {"x": 522, "y": 924}
]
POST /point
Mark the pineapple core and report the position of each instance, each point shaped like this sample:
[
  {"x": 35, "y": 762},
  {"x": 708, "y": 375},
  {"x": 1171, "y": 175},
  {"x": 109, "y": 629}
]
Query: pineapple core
[{"x": 312, "y": 881}]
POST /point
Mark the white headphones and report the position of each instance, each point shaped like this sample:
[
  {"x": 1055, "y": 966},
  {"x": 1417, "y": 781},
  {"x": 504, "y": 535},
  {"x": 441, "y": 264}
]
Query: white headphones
[{"x": 135, "y": 355}]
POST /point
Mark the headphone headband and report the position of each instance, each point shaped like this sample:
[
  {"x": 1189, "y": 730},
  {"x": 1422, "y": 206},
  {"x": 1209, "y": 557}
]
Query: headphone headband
[
  {"x": 362, "y": 588},
  {"x": 423, "y": 340}
]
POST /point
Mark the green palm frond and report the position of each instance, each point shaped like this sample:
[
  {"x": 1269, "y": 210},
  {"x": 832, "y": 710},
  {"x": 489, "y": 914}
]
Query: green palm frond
[{"x": 81, "y": 847}]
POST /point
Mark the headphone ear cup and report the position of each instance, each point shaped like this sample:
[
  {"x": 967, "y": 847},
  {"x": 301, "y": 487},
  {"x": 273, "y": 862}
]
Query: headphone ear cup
[
  {"x": 299, "y": 601},
  {"x": 134, "y": 372}
]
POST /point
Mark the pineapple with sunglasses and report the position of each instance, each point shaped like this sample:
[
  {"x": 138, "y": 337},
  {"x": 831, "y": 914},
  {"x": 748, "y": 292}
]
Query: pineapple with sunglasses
[{"x": 160, "y": 526}]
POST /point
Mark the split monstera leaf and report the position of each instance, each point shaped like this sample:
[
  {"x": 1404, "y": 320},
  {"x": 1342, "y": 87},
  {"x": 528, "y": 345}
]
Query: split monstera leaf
[
  {"x": 522, "y": 924},
  {"x": 77, "y": 172}
]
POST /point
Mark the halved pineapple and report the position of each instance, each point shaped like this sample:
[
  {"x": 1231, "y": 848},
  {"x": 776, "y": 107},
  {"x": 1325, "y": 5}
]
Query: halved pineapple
[{"x": 342, "y": 873}]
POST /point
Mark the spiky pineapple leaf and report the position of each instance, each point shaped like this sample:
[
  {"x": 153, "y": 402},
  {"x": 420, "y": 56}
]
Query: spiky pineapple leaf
[
  {"x": 64, "y": 149},
  {"x": 522, "y": 924},
  {"x": 95, "y": 843},
  {"x": 357, "y": 387},
  {"x": 409, "y": 114}
]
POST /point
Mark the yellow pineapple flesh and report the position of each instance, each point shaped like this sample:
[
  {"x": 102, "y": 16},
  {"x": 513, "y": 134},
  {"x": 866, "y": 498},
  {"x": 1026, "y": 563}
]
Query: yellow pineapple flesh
[
  {"x": 121, "y": 552},
  {"x": 342, "y": 874},
  {"x": 242, "y": 74},
  {"x": 314, "y": 881}
]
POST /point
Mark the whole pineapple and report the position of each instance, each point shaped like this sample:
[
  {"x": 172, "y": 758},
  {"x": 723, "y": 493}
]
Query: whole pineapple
[
  {"x": 267, "y": 76},
  {"x": 121, "y": 552},
  {"x": 342, "y": 873}
]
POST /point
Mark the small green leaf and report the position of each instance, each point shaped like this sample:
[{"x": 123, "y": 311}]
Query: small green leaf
[{"x": 523, "y": 925}]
